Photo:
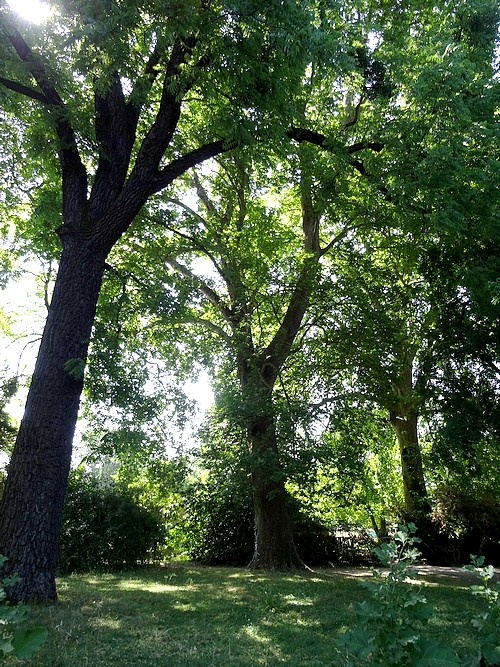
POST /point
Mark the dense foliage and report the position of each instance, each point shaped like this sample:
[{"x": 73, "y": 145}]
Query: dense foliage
[
  {"x": 103, "y": 527},
  {"x": 21, "y": 642}
]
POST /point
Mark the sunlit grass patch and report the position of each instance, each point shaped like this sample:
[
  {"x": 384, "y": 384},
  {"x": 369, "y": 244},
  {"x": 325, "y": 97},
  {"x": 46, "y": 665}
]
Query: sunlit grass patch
[{"x": 209, "y": 617}]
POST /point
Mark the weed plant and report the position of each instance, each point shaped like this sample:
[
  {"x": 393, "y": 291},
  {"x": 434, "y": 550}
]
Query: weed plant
[
  {"x": 19, "y": 643},
  {"x": 391, "y": 628}
]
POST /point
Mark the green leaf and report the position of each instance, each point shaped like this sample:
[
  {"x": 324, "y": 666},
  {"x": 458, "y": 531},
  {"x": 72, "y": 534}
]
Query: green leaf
[
  {"x": 13, "y": 614},
  {"x": 11, "y": 580},
  {"x": 6, "y": 646},
  {"x": 26, "y": 642},
  {"x": 436, "y": 654},
  {"x": 420, "y": 610},
  {"x": 358, "y": 641},
  {"x": 491, "y": 651},
  {"x": 75, "y": 368},
  {"x": 367, "y": 610}
]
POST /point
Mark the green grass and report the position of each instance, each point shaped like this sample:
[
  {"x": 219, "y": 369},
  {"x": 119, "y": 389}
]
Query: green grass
[{"x": 187, "y": 616}]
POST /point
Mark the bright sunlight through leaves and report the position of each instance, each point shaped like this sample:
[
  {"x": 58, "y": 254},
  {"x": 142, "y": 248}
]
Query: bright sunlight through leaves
[{"x": 30, "y": 10}]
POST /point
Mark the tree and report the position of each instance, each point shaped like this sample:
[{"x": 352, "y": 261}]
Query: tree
[
  {"x": 116, "y": 91},
  {"x": 384, "y": 303},
  {"x": 437, "y": 190},
  {"x": 265, "y": 258},
  {"x": 377, "y": 87},
  {"x": 127, "y": 93}
]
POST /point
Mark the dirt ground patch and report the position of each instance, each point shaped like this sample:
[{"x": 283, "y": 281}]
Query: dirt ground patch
[{"x": 426, "y": 573}]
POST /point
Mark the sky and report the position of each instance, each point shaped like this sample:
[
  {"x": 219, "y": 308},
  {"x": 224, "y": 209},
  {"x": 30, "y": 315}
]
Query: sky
[{"x": 31, "y": 10}]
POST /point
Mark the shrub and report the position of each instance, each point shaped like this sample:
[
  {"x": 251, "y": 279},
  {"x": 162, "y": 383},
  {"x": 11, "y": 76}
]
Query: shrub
[
  {"x": 466, "y": 523},
  {"x": 104, "y": 528},
  {"x": 220, "y": 525},
  {"x": 487, "y": 623},
  {"x": 390, "y": 632}
]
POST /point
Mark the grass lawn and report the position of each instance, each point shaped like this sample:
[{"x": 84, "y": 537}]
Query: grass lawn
[{"x": 190, "y": 616}]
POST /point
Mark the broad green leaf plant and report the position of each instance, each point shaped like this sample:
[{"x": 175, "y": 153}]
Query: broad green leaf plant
[
  {"x": 21, "y": 643},
  {"x": 487, "y": 623},
  {"x": 391, "y": 622},
  {"x": 391, "y": 628}
]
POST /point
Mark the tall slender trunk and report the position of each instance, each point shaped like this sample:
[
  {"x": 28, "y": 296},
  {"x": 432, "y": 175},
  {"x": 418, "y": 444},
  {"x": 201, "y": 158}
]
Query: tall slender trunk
[
  {"x": 32, "y": 504},
  {"x": 415, "y": 492},
  {"x": 403, "y": 416}
]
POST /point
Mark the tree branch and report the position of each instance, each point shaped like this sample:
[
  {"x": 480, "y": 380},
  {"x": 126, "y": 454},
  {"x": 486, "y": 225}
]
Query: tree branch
[
  {"x": 181, "y": 164},
  {"x": 300, "y": 134},
  {"x": 202, "y": 287},
  {"x": 334, "y": 241},
  {"x": 74, "y": 174},
  {"x": 24, "y": 90},
  {"x": 194, "y": 243},
  {"x": 203, "y": 196},
  {"x": 211, "y": 326},
  {"x": 160, "y": 133}
]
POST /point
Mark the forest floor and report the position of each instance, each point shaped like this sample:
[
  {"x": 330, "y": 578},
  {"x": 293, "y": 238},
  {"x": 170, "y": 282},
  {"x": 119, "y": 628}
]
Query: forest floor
[{"x": 193, "y": 616}]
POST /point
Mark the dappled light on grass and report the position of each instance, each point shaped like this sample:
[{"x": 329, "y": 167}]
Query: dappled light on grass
[{"x": 212, "y": 617}]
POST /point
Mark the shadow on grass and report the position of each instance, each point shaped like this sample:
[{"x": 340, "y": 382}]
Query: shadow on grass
[{"x": 200, "y": 616}]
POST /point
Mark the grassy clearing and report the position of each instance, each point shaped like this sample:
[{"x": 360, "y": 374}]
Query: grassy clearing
[{"x": 191, "y": 616}]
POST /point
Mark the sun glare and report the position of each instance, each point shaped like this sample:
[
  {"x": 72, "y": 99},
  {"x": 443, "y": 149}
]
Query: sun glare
[{"x": 30, "y": 10}]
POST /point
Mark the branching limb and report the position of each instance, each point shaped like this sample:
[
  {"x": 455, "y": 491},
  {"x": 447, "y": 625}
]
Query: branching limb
[
  {"x": 202, "y": 287},
  {"x": 73, "y": 171},
  {"x": 211, "y": 326},
  {"x": 180, "y": 165},
  {"x": 301, "y": 134},
  {"x": 194, "y": 243},
  {"x": 203, "y": 195}
]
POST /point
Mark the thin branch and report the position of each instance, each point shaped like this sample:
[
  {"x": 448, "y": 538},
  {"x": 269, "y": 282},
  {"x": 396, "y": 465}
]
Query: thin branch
[
  {"x": 211, "y": 326},
  {"x": 151, "y": 72},
  {"x": 202, "y": 287},
  {"x": 203, "y": 196},
  {"x": 335, "y": 240},
  {"x": 188, "y": 209},
  {"x": 196, "y": 245}
]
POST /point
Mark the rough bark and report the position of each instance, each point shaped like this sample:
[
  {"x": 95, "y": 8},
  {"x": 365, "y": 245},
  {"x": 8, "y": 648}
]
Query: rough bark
[
  {"x": 415, "y": 492},
  {"x": 32, "y": 504},
  {"x": 274, "y": 543}
]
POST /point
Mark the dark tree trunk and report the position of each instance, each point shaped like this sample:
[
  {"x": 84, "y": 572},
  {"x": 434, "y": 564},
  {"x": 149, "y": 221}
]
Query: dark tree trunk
[
  {"x": 415, "y": 492},
  {"x": 32, "y": 505},
  {"x": 274, "y": 544}
]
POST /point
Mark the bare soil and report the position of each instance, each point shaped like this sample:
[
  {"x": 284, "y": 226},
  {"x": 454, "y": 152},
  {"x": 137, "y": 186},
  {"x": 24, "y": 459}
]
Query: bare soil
[{"x": 426, "y": 573}]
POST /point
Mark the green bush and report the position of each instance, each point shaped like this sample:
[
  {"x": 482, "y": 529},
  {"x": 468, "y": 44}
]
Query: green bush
[
  {"x": 104, "y": 528},
  {"x": 465, "y": 522},
  {"x": 219, "y": 525},
  {"x": 392, "y": 622},
  {"x": 389, "y": 633}
]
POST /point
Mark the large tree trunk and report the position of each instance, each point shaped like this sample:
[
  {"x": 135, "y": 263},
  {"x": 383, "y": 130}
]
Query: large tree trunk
[
  {"x": 415, "y": 492},
  {"x": 32, "y": 505},
  {"x": 274, "y": 544}
]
